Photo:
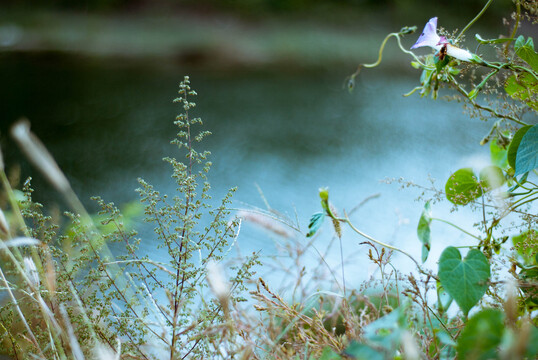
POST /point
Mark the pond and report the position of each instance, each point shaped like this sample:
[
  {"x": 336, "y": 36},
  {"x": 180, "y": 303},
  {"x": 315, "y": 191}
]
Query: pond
[{"x": 287, "y": 132}]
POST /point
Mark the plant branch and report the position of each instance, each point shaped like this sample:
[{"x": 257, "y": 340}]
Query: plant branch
[{"x": 471, "y": 23}]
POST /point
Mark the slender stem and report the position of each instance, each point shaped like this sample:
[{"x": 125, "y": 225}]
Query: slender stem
[
  {"x": 481, "y": 85},
  {"x": 342, "y": 261},
  {"x": 462, "y": 91},
  {"x": 522, "y": 68},
  {"x": 516, "y": 26},
  {"x": 487, "y": 231},
  {"x": 457, "y": 227},
  {"x": 404, "y": 50},
  {"x": 515, "y": 203},
  {"x": 14, "y": 205},
  {"x": 440, "y": 321},
  {"x": 328, "y": 268},
  {"x": 380, "y": 54},
  {"x": 474, "y": 20},
  {"x": 19, "y": 312},
  {"x": 415, "y": 89},
  {"x": 524, "y": 202},
  {"x": 347, "y": 221}
]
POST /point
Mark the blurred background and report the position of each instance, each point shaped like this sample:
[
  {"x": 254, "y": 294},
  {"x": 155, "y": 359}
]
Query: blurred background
[
  {"x": 225, "y": 32},
  {"x": 96, "y": 78}
]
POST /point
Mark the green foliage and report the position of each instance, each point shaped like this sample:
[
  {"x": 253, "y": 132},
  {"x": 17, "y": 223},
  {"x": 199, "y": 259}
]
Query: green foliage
[
  {"x": 465, "y": 280},
  {"x": 443, "y": 298},
  {"x": 491, "y": 177},
  {"x": 527, "y": 152},
  {"x": 462, "y": 187},
  {"x": 526, "y": 246},
  {"x": 315, "y": 223},
  {"x": 529, "y": 277},
  {"x": 69, "y": 295},
  {"x": 423, "y": 230},
  {"x": 499, "y": 154},
  {"x": 514, "y": 145},
  {"x": 382, "y": 338},
  {"x": 482, "y": 335},
  {"x": 523, "y": 87},
  {"x": 154, "y": 306},
  {"x": 525, "y": 50},
  {"x": 491, "y": 41},
  {"x": 360, "y": 351},
  {"x": 329, "y": 354}
]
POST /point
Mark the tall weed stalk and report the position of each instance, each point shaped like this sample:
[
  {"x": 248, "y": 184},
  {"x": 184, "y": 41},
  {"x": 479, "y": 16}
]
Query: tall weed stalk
[{"x": 77, "y": 300}]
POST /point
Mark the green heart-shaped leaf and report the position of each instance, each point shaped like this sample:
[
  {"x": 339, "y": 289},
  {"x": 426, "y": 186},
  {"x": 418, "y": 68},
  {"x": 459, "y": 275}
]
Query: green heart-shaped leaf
[
  {"x": 465, "y": 281},
  {"x": 525, "y": 50},
  {"x": 462, "y": 187}
]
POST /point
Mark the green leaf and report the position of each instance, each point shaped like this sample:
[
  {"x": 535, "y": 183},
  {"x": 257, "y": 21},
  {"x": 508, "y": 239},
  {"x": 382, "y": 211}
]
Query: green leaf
[
  {"x": 440, "y": 64},
  {"x": 491, "y": 41},
  {"x": 381, "y": 338},
  {"x": 525, "y": 50},
  {"x": 443, "y": 298},
  {"x": 526, "y": 245},
  {"x": 523, "y": 87},
  {"x": 386, "y": 332},
  {"x": 514, "y": 145},
  {"x": 527, "y": 152},
  {"x": 529, "y": 275},
  {"x": 481, "y": 336},
  {"x": 462, "y": 187},
  {"x": 329, "y": 354},
  {"x": 445, "y": 338},
  {"x": 315, "y": 223},
  {"x": 532, "y": 344},
  {"x": 427, "y": 75},
  {"x": 423, "y": 230},
  {"x": 465, "y": 281},
  {"x": 473, "y": 93},
  {"x": 492, "y": 177},
  {"x": 360, "y": 351},
  {"x": 498, "y": 154}
]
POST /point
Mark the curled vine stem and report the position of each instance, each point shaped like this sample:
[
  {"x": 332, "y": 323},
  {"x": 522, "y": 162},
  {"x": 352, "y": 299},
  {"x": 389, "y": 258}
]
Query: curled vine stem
[
  {"x": 414, "y": 90},
  {"x": 404, "y": 31}
]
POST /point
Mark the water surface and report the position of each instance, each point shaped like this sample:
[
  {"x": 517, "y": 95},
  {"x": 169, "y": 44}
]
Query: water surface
[{"x": 286, "y": 132}]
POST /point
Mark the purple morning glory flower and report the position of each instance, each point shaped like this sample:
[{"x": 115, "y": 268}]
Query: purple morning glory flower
[{"x": 430, "y": 38}]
